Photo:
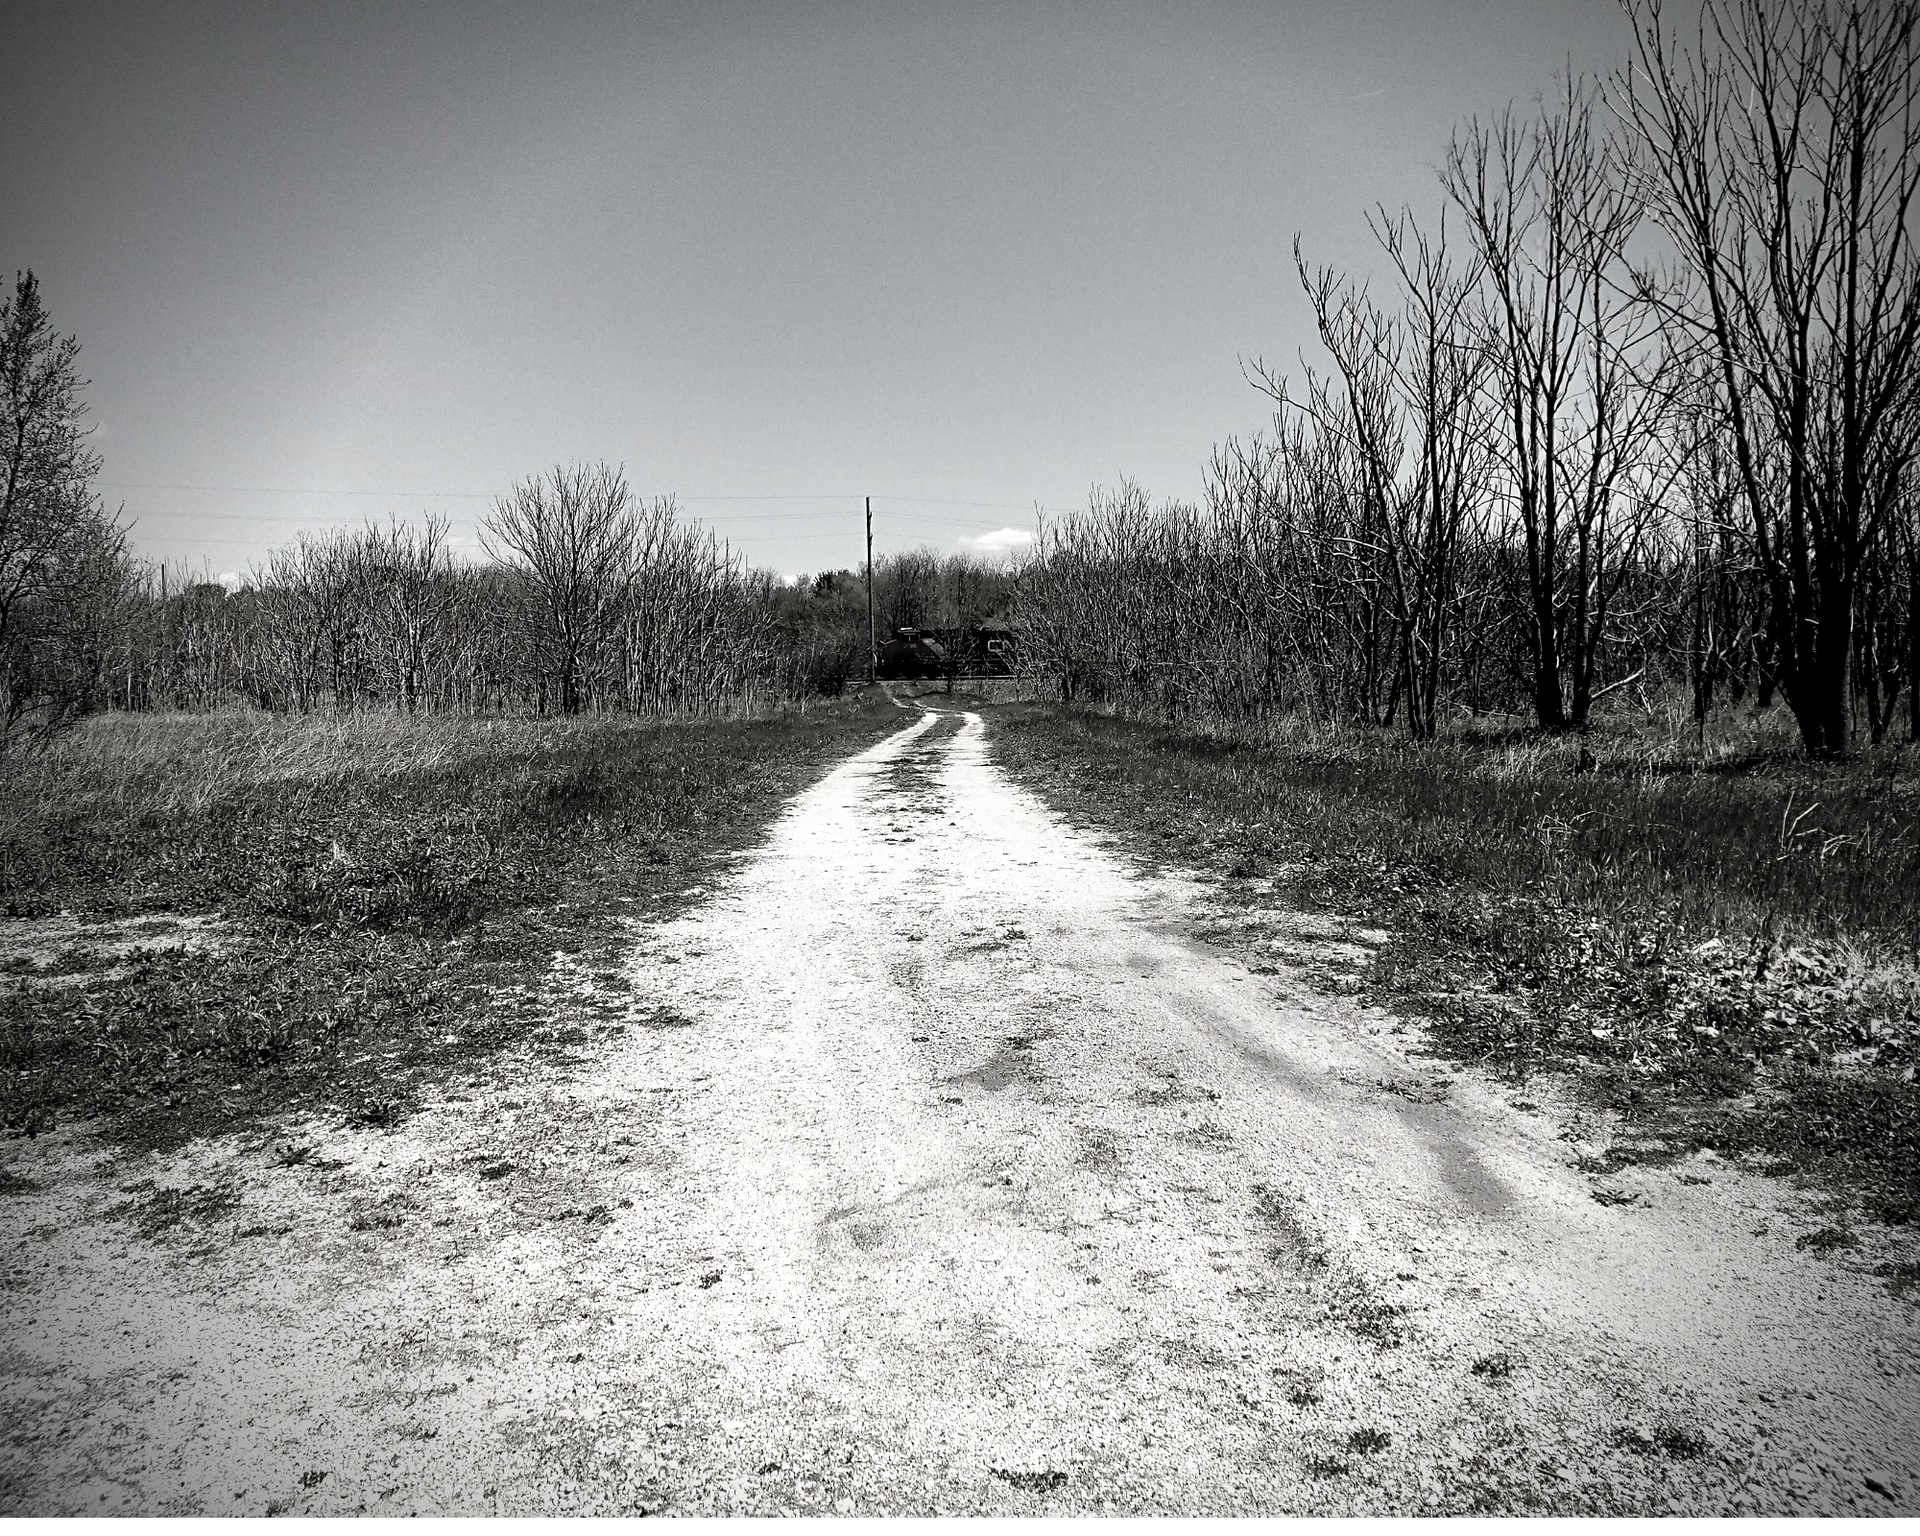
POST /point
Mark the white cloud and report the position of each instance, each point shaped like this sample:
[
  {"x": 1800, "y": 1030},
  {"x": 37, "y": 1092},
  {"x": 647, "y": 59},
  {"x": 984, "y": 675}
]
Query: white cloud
[
  {"x": 229, "y": 579},
  {"x": 1000, "y": 538}
]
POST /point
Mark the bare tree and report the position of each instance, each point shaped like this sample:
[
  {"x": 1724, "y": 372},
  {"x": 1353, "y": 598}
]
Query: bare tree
[
  {"x": 969, "y": 591},
  {"x": 627, "y": 608},
  {"x": 308, "y": 635},
  {"x": 571, "y": 536},
  {"x": 1408, "y": 410},
  {"x": 1725, "y": 613},
  {"x": 1783, "y": 157},
  {"x": 697, "y": 627},
  {"x": 407, "y": 591},
  {"x": 1551, "y": 204},
  {"x": 1285, "y": 510},
  {"x": 906, "y": 589}
]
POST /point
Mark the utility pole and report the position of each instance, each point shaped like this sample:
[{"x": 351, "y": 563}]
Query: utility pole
[
  {"x": 873, "y": 647},
  {"x": 164, "y": 672}
]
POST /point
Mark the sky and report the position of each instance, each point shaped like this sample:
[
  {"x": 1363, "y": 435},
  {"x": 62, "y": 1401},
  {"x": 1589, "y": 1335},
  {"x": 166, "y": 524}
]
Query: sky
[{"x": 329, "y": 262}]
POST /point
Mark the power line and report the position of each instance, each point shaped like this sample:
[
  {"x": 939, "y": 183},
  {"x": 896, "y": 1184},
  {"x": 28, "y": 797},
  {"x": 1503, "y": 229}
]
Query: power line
[
  {"x": 300, "y": 490},
  {"x": 255, "y": 517},
  {"x": 918, "y": 520},
  {"x": 934, "y": 501},
  {"x": 294, "y": 490}
]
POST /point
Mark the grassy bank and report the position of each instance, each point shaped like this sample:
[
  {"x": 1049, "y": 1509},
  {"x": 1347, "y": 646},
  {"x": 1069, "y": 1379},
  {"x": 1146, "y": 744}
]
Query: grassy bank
[
  {"x": 209, "y": 918},
  {"x": 1720, "y": 947}
]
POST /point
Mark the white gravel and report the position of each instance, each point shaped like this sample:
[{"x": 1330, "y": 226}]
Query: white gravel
[{"x": 963, "y": 1177}]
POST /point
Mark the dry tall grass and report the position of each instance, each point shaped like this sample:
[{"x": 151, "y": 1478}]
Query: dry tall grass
[{"x": 183, "y": 763}]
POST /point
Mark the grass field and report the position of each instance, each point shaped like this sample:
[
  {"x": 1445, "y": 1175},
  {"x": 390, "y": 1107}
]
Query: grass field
[
  {"x": 1719, "y": 945},
  {"x": 209, "y": 918}
]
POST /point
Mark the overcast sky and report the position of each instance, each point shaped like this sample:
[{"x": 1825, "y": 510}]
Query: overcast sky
[{"x": 774, "y": 258}]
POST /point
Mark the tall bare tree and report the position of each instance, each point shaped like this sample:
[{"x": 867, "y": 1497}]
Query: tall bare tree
[
  {"x": 1551, "y": 204},
  {"x": 1783, "y": 158},
  {"x": 1408, "y": 410}
]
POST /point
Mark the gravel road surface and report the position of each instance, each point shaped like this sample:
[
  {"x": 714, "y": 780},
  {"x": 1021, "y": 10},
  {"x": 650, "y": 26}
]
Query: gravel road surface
[{"x": 935, "y": 1161}]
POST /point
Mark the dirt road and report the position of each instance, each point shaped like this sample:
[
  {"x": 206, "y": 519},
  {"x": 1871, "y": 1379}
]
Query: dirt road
[{"x": 934, "y": 1162}]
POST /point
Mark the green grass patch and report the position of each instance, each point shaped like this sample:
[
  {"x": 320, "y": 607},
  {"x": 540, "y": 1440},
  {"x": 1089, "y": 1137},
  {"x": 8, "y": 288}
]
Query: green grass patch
[
  {"x": 1725, "y": 952},
  {"x": 392, "y": 893}
]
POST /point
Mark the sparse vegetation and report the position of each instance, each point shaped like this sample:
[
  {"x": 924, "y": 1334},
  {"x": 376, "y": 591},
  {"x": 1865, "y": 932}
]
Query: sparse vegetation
[
  {"x": 1031, "y": 1482},
  {"x": 391, "y": 894}
]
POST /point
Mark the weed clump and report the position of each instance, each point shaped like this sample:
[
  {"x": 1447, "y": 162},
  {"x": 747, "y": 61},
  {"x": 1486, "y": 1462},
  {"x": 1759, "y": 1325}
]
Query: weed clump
[
  {"x": 1673, "y": 1441},
  {"x": 157, "y": 1212},
  {"x": 1302, "y": 1388},
  {"x": 1031, "y": 1482}
]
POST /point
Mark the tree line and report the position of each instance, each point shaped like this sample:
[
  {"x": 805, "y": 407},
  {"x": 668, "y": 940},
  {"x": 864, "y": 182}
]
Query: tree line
[
  {"x": 587, "y": 601},
  {"x": 585, "y": 596},
  {"x": 1636, "y": 409}
]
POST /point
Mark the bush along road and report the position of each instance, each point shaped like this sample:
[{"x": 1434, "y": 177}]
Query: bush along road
[{"x": 937, "y": 1159}]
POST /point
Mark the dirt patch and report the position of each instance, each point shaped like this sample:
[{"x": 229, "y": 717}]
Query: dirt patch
[
  {"x": 67, "y": 950},
  {"x": 1013, "y": 1063}
]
